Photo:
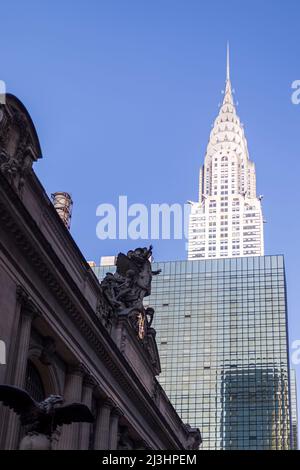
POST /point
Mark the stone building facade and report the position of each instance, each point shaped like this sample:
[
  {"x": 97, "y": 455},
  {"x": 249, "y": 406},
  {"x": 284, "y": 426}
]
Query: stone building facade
[{"x": 55, "y": 323}]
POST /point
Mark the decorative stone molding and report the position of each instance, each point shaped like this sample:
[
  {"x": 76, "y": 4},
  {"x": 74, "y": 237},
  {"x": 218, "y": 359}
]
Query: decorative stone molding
[
  {"x": 123, "y": 340},
  {"x": 108, "y": 403},
  {"x": 28, "y": 308},
  {"x": 22, "y": 294},
  {"x": 155, "y": 390},
  {"x": 150, "y": 346},
  {"x": 89, "y": 381},
  {"x": 76, "y": 369},
  {"x": 35, "y": 350},
  {"x": 116, "y": 411},
  {"x": 104, "y": 312},
  {"x": 19, "y": 145},
  {"x": 194, "y": 437},
  {"x": 146, "y": 347}
]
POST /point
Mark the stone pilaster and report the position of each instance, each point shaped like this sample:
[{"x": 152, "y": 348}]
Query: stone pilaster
[
  {"x": 27, "y": 317},
  {"x": 27, "y": 314},
  {"x": 69, "y": 438},
  {"x": 87, "y": 395},
  {"x": 115, "y": 415},
  {"x": 103, "y": 425}
]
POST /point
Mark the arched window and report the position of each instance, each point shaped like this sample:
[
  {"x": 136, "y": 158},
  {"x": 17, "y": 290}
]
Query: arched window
[{"x": 34, "y": 384}]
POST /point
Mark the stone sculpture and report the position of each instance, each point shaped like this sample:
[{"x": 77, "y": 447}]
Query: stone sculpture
[
  {"x": 40, "y": 420},
  {"x": 126, "y": 289}
]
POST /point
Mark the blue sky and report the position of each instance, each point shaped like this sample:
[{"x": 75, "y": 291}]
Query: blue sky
[{"x": 123, "y": 95}]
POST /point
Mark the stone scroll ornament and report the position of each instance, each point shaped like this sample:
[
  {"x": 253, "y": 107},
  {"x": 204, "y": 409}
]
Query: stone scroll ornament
[
  {"x": 19, "y": 144},
  {"x": 40, "y": 420},
  {"x": 127, "y": 287}
]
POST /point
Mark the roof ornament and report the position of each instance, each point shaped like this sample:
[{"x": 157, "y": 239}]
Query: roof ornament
[
  {"x": 228, "y": 63},
  {"x": 126, "y": 289}
]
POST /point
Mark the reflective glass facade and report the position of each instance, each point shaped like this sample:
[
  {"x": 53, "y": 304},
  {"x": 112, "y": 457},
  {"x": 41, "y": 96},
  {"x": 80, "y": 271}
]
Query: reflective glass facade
[
  {"x": 294, "y": 409},
  {"x": 222, "y": 337}
]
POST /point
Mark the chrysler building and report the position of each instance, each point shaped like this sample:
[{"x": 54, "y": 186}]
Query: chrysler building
[{"x": 227, "y": 221}]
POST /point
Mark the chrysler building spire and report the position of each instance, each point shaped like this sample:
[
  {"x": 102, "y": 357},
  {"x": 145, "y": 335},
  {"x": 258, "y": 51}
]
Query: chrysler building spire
[
  {"x": 228, "y": 63},
  {"x": 227, "y": 220}
]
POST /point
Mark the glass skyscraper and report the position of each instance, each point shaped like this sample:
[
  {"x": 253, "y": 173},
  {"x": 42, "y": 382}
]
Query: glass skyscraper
[
  {"x": 294, "y": 409},
  {"x": 223, "y": 342}
]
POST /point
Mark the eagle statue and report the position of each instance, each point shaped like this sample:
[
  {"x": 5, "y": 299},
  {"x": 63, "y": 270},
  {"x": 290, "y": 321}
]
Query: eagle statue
[{"x": 40, "y": 419}]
